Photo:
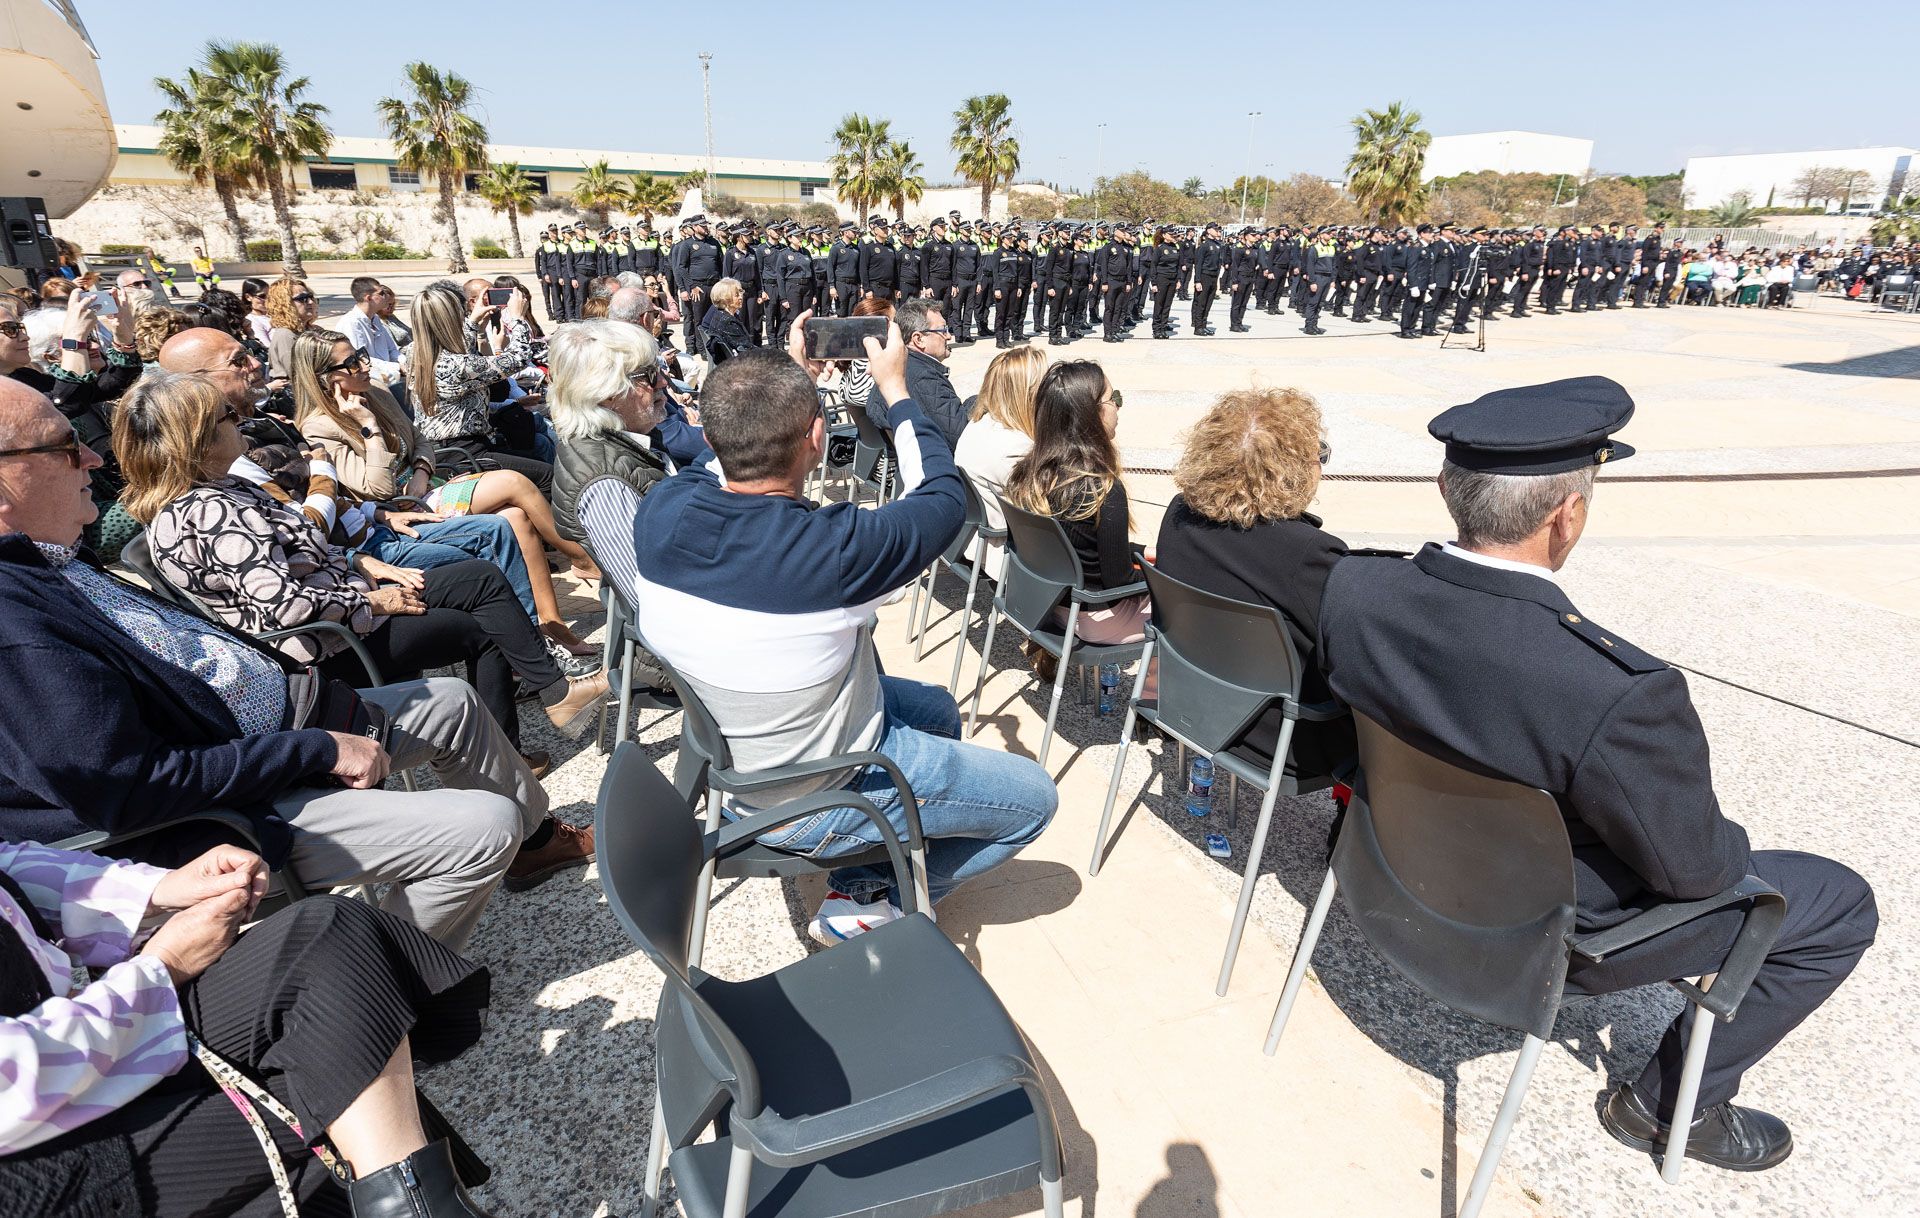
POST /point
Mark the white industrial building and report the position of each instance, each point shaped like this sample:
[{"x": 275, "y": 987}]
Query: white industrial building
[
  {"x": 1507, "y": 152},
  {"x": 1768, "y": 177}
]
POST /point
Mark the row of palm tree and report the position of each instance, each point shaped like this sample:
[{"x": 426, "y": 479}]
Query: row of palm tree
[{"x": 869, "y": 167}]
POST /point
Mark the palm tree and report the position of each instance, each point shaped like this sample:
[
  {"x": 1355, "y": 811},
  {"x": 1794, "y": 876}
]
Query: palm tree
[
  {"x": 985, "y": 149},
  {"x": 897, "y": 179},
  {"x": 507, "y": 188},
  {"x": 433, "y": 133},
  {"x": 267, "y": 126},
  {"x": 190, "y": 140},
  {"x": 646, "y": 195},
  {"x": 1389, "y": 153},
  {"x": 1901, "y": 221},
  {"x": 1736, "y": 211},
  {"x": 859, "y": 144},
  {"x": 599, "y": 191}
]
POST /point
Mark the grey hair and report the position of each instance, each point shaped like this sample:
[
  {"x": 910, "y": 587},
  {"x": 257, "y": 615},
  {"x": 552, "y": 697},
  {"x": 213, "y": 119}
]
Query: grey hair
[
  {"x": 44, "y": 327},
  {"x": 1506, "y": 509},
  {"x": 632, "y": 279},
  {"x": 914, "y": 315},
  {"x": 629, "y": 305},
  {"x": 590, "y": 362}
]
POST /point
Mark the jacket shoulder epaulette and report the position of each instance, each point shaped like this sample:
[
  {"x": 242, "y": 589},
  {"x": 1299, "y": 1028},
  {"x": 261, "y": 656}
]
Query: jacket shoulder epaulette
[{"x": 1608, "y": 644}]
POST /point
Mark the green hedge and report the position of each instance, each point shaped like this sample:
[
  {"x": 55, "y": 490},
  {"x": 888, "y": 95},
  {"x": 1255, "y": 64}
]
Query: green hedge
[
  {"x": 123, "y": 249},
  {"x": 487, "y": 247},
  {"x": 383, "y": 250},
  {"x": 263, "y": 251}
]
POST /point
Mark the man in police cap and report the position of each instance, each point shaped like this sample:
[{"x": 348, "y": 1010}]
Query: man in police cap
[
  {"x": 1472, "y": 652},
  {"x": 1209, "y": 259},
  {"x": 879, "y": 263}
]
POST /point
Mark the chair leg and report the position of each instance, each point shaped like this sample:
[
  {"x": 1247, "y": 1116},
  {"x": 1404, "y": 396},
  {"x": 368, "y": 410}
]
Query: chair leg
[
  {"x": 1119, "y": 761},
  {"x": 926, "y": 612},
  {"x": 703, "y": 889},
  {"x": 607, "y": 640},
  {"x": 1502, "y": 1126},
  {"x": 1233, "y": 801},
  {"x": 1059, "y": 681},
  {"x": 1302, "y": 953},
  {"x": 913, "y": 605},
  {"x": 980, "y": 681},
  {"x": 1255, "y": 851},
  {"x": 625, "y": 677},
  {"x": 966, "y": 615},
  {"x": 656, "y": 1160},
  {"x": 1695, "y": 1063},
  {"x": 1053, "y": 1198},
  {"x": 739, "y": 1176}
]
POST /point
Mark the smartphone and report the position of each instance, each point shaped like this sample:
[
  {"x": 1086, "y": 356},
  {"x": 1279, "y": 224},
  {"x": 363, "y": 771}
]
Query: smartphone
[
  {"x": 498, "y": 297},
  {"x": 103, "y": 304},
  {"x": 840, "y": 337}
]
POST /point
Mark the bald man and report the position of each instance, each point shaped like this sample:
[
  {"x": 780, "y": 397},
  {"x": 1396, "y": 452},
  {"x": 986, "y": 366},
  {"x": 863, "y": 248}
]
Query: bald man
[
  {"x": 127, "y": 714},
  {"x": 242, "y": 379}
]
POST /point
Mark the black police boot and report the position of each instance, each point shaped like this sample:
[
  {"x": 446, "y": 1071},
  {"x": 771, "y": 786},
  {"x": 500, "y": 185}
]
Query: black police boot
[
  {"x": 1458, "y": 330},
  {"x": 1725, "y": 1135},
  {"x": 422, "y": 1185}
]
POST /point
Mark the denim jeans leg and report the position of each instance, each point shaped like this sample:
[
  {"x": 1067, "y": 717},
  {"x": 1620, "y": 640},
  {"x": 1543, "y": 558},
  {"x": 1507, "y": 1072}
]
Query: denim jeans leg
[
  {"x": 470, "y": 536},
  {"x": 978, "y": 807}
]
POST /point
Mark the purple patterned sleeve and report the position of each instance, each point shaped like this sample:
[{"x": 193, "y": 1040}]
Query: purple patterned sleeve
[
  {"x": 96, "y": 904},
  {"x": 73, "y": 1060}
]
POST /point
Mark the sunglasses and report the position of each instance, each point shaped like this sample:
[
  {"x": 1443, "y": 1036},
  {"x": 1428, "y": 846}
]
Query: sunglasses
[
  {"x": 353, "y": 363},
  {"x": 12, "y": 329},
  {"x": 303, "y": 298},
  {"x": 138, "y": 283},
  {"x": 642, "y": 376},
  {"x": 228, "y": 414},
  {"x": 71, "y": 446}
]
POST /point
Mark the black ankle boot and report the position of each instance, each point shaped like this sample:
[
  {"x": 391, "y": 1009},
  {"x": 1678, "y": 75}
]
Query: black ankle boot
[{"x": 422, "y": 1185}]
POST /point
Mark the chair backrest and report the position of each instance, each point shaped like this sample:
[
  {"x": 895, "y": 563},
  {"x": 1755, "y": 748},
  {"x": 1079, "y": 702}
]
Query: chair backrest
[
  {"x": 699, "y": 730},
  {"x": 869, "y": 444},
  {"x": 138, "y": 556},
  {"x": 719, "y": 350},
  {"x": 650, "y": 853},
  {"x": 1462, "y": 883},
  {"x": 1222, "y": 662},
  {"x": 1042, "y": 567}
]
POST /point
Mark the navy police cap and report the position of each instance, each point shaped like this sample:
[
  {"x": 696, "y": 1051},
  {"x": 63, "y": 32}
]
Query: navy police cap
[{"x": 1538, "y": 429}]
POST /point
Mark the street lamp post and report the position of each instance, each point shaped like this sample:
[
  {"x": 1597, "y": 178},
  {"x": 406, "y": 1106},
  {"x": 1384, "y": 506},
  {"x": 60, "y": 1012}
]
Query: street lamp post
[
  {"x": 1251, "y": 116},
  {"x": 1099, "y": 164},
  {"x": 706, "y": 89}
]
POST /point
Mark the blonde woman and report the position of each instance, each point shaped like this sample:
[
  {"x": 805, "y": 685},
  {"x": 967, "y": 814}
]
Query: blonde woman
[
  {"x": 722, "y": 320},
  {"x": 1000, "y": 433},
  {"x": 1239, "y": 527},
  {"x": 380, "y": 456},
  {"x": 452, "y": 371},
  {"x": 291, "y": 308}
]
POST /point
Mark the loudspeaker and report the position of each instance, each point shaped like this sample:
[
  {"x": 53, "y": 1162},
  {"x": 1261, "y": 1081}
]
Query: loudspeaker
[{"x": 26, "y": 240}]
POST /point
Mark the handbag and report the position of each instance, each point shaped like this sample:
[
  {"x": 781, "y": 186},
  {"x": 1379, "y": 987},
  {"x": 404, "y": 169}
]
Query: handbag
[{"x": 334, "y": 706}]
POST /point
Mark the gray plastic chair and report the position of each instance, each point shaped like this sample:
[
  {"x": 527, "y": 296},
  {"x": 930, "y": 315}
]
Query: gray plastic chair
[
  {"x": 98, "y": 841},
  {"x": 1464, "y": 886},
  {"x": 1043, "y": 574},
  {"x": 705, "y": 767},
  {"x": 884, "y": 1078},
  {"x": 869, "y": 445},
  {"x": 964, "y": 559},
  {"x": 617, "y": 646},
  {"x": 1223, "y": 665}
]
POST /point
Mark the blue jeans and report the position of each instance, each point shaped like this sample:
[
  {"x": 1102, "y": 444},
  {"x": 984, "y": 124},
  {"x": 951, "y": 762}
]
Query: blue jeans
[
  {"x": 978, "y": 807},
  {"x": 454, "y": 540}
]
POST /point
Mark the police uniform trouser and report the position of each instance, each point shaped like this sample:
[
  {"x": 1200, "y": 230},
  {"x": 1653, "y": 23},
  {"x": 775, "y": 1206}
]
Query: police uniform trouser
[
  {"x": 1117, "y": 294},
  {"x": 961, "y": 316},
  {"x": 1311, "y": 306},
  {"x": 1495, "y": 296},
  {"x": 1039, "y": 291},
  {"x": 1004, "y": 311},
  {"x": 1610, "y": 290},
  {"x": 1203, "y": 289},
  {"x": 1077, "y": 307},
  {"x": 793, "y": 302},
  {"x": 1436, "y": 304},
  {"x": 1057, "y": 309},
  {"x": 1522, "y": 288},
  {"x": 1410, "y": 311},
  {"x": 1583, "y": 289},
  {"x": 1363, "y": 296},
  {"x": 1830, "y": 922},
  {"x": 1642, "y": 288},
  {"x": 848, "y": 296},
  {"x": 750, "y": 311},
  {"x": 1463, "y": 303}
]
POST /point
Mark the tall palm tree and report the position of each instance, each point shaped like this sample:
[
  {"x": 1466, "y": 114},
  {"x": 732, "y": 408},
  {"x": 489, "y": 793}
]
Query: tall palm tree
[
  {"x": 647, "y": 195},
  {"x": 599, "y": 191},
  {"x": 507, "y": 188},
  {"x": 898, "y": 179},
  {"x": 984, "y": 147},
  {"x": 268, "y": 126},
  {"x": 1389, "y": 154},
  {"x": 190, "y": 140},
  {"x": 859, "y": 143},
  {"x": 433, "y": 133},
  {"x": 1735, "y": 211}
]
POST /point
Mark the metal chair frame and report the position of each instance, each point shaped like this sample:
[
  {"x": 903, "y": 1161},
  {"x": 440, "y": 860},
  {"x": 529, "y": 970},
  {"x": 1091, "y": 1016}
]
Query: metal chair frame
[{"x": 1464, "y": 885}]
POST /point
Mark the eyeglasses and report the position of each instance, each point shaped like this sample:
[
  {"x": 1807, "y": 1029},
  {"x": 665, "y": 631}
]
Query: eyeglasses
[
  {"x": 1117, "y": 398},
  {"x": 943, "y": 330},
  {"x": 12, "y": 329},
  {"x": 137, "y": 283},
  {"x": 353, "y": 363},
  {"x": 303, "y": 298},
  {"x": 642, "y": 376},
  {"x": 228, "y": 414},
  {"x": 75, "y": 451}
]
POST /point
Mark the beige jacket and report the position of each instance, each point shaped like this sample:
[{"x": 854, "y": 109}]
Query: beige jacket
[{"x": 368, "y": 466}]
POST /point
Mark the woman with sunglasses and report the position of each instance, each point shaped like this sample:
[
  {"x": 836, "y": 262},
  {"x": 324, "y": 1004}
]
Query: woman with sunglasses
[
  {"x": 83, "y": 384},
  {"x": 291, "y": 307},
  {"x": 254, "y": 292},
  {"x": 381, "y": 456},
  {"x": 260, "y": 563}
]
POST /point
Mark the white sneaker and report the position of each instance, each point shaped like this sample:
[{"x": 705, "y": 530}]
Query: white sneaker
[{"x": 840, "y": 918}]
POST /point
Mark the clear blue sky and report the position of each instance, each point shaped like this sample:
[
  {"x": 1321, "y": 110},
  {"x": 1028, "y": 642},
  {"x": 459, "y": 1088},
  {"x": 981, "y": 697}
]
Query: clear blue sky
[{"x": 1650, "y": 84}]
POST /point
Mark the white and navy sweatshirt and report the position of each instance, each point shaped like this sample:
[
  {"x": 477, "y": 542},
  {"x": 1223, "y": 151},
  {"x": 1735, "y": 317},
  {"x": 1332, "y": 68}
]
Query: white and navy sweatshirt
[{"x": 766, "y": 603}]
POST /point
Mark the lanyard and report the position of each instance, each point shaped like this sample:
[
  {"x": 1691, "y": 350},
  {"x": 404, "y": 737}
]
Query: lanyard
[{"x": 245, "y": 1093}]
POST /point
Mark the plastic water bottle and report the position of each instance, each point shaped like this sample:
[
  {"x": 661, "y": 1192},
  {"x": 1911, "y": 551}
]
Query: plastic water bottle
[
  {"x": 1109, "y": 688},
  {"x": 1200, "y": 787}
]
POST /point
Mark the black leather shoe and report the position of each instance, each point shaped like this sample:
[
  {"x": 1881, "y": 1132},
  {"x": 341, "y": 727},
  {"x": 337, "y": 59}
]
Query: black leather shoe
[
  {"x": 422, "y": 1185},
  {"x": 1725, "y": 1135}
]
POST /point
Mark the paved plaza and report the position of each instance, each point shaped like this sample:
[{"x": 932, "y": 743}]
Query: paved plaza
[{"x": 1766, "y": 538}]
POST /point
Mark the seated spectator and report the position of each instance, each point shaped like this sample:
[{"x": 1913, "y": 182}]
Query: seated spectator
[
  {"x": 385, "y": 310},
  {"x": 451, "y": 379},
  {"x": 291, "y": 307},
  {"x": 722, "y": 320},
  {"x": 144, "y": 715},
  {"x": 260, "y": 563},
  {"x": 380, "y": 456},
  {"x": 1239, "y": 527},
  {"x": 1752, "y": 281},
  {"x": 1072, "y": 473},
  {"x": 606, "y": 398},
  {"x": 240, "y": 377},
  {"x": 135, "y": 290},
  {"x": 766, "y": 604},
  {"x": 155, "y": 326},
  {"x": 82, "y": 381},
  {"x": 1699, "y": 280},
  {"x": 679, "y": 434},
  {"x": 930, "y": 344},
  {"x": 1000, "y": 434},
  {"x": 254, "y": 292},
  {"x": 1473, "y": 653},
  {"x": 115, "y": 1099},
  {"x": 364, "y": 332}
]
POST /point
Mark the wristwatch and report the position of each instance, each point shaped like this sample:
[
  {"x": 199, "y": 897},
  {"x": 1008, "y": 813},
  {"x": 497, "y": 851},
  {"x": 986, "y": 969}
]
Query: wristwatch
[{"x": 75, "y": 344}]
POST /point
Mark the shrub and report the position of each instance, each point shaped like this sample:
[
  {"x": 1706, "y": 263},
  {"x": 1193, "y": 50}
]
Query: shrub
[
  {"x": 123, "y": 249},
  {"x": 383, "y": 250},
  {"x": 267, "y": 250},
  {"x": 487, "y": 247}
]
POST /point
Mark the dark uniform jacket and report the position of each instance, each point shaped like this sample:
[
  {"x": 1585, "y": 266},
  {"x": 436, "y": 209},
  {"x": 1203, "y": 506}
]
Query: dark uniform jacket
[
  {"x": 936, "y": 261},
  {"x": 1560, "y": 254},
  {"x": 1209, "y": 259},
  {"x": 911, "y": 279},
  {"x": 1420, "y": 264},
  {"x": 793, "y": 272},
  {"x": 1244, "y": 266},
  {"x": 846, "y": 264},
  {"x": 878, "y": 269},
  {"x": 1116, "y": 262},
  {"x": 743, "y": 265},
  {"x": 1532, "y": 257},
  {"x": 1498, "y": 672},
  {"x": 966, "y": 261}
]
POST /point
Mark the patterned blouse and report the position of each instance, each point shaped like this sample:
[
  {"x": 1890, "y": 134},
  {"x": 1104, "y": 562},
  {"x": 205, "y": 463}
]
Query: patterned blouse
[
  {"x": 461, "y": 380},
  {"x": 260, "y": 565},
  {"x": 83, "y": 1053}
]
